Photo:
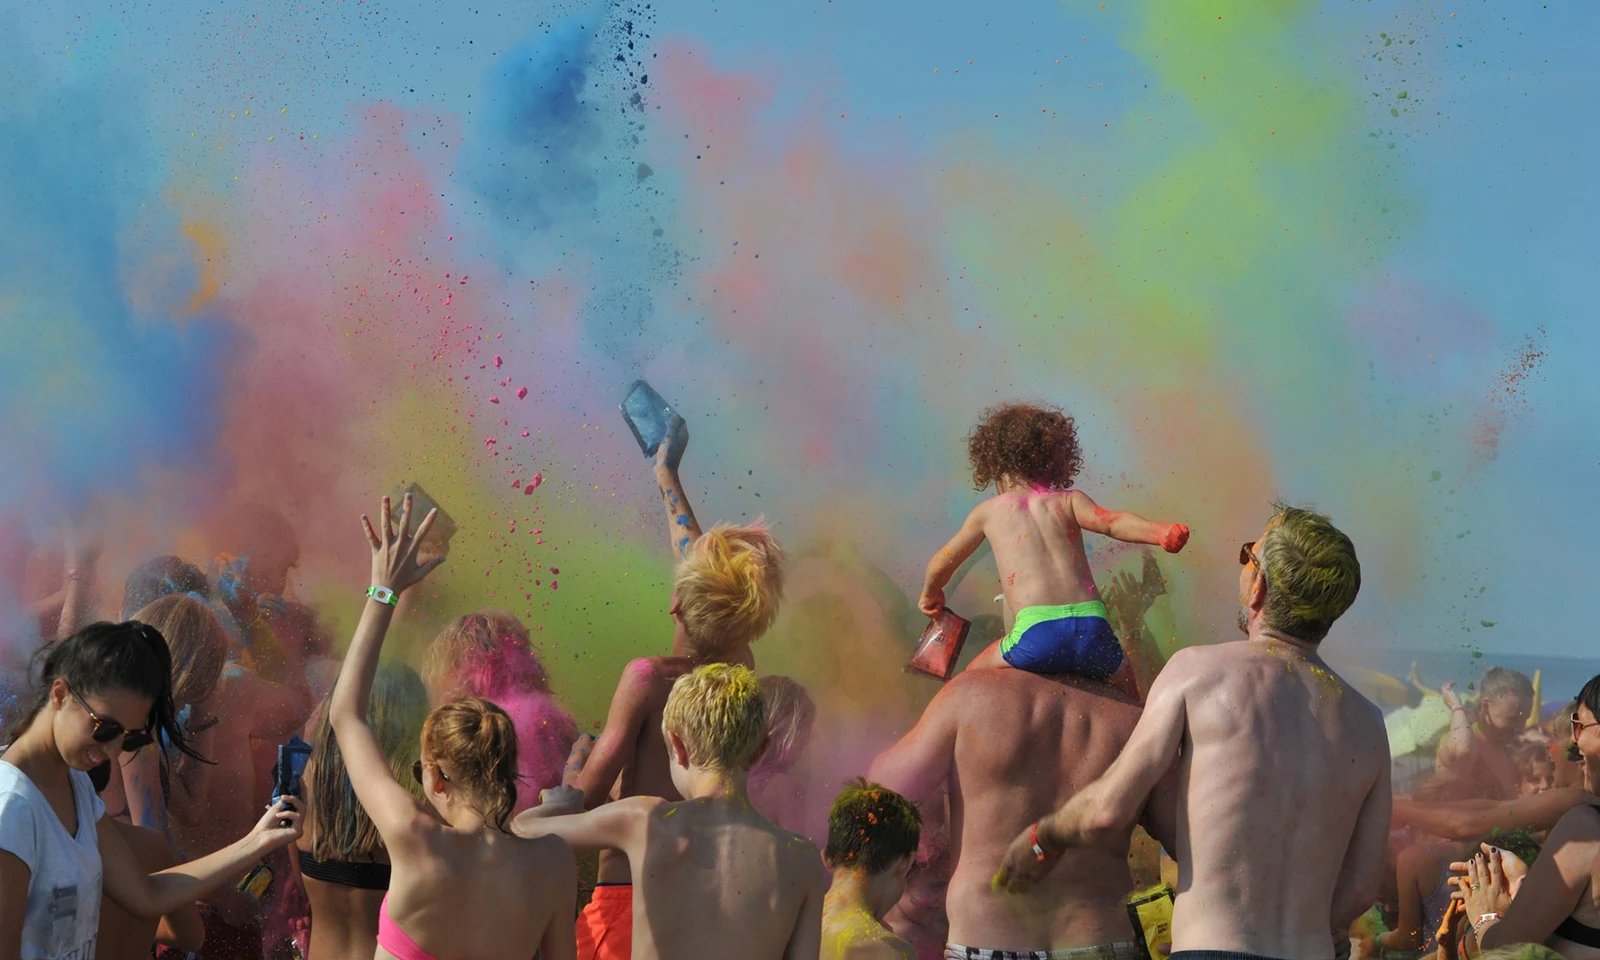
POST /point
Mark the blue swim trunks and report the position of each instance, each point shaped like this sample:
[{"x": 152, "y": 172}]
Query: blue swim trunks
[{"x": 1072, "y": 638}]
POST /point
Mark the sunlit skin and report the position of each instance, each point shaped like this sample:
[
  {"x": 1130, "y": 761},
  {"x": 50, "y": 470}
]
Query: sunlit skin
[
  {"x": 1560, "y": 884},
  {"x": 1005, "y": 747},
  {"x": 1253, "y": 728},
  {"x": 853, "y": 912},
  {"x": 712, "y": 876},
  {"x": 61, "y": 739},
  {"x": 1037, "y": 537},
  {"x": 630, "y": 757},
  {"x": 1479, "y": 750}
]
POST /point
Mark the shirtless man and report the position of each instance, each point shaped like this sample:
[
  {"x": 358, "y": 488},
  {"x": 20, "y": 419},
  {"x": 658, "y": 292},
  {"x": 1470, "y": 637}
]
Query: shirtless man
[
  {"x": 872, "y": 844},
  {"x": 1283, "y": 769},
  {"x": 726, "y": 593},
  {"x": 713, "y": 878},
  {"x": 1010, "y": 746}
]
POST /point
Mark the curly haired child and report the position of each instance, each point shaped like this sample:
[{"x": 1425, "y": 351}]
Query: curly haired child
[{"x": 1035, "y": 523}]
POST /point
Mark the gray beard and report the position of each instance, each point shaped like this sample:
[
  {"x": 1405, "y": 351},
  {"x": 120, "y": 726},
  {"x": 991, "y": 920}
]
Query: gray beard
[{"x": 1244, "y": 621}]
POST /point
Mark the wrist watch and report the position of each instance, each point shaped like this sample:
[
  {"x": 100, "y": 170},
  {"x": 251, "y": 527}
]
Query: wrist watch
[{"x": 383, "y": 595}]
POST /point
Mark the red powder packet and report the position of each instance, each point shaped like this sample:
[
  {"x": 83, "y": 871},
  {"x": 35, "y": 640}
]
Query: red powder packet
[{"x": 940, "y": 646}]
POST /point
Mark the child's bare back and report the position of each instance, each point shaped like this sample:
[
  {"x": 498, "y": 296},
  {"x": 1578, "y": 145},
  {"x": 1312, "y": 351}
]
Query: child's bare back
[
  {"x": 1038, "y": 546},
  {"x": 718, "y": 879}
]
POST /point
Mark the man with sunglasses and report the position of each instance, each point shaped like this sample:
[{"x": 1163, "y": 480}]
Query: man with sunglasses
[{"x": 1282, "y": 808}]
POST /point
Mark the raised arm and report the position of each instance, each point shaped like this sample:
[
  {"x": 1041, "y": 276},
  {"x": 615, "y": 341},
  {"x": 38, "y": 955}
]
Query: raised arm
[
  {"x": 1113, "y": 803},
  {"x": 1458, "y": 746},
  {"x": 394, "y": 565},
  {"x": 949, "y": 559},
  {"x": 77, "y": 589},
  {"x": 1127, "y": 526},
  {"x": 1473, "y": 819},
  {"x": 919, "y": 766},
  {"x": 614, "y": 748},
  {"x": 150, "y": 895},
  {"x": 1367, "y": 857},
  {"x": 682, "y": 527}
]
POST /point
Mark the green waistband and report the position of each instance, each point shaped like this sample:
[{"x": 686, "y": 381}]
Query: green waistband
[{"x": 1028, "y": 616}]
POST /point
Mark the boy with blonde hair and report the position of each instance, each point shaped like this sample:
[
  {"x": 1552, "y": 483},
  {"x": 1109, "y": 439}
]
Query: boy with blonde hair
[
  {"x": 1035, "y": 522},
  {"x": 714, "y": 877},
  {"x": 726, "y": 593}
]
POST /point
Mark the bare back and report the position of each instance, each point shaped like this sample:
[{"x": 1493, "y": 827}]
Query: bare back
[
  {"x": 719, "y": 880},
  {"x": 1025, "y": 744},
  {"x": 1038, "y": 548},
  {"x": 486, "y": 895},
  {"x": 1279, "y": 755}
]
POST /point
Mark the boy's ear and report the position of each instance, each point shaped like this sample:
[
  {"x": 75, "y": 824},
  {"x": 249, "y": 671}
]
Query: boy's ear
[
  {"x": 680, "y": 753},
  {"x": 827, "y": 861}
]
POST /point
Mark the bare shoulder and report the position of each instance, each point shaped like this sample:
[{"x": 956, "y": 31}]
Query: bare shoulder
[
  {"x": 805, "y": 856},
  {"x": 552, "y": 857},
  {"x": 1580, "y": 824}
]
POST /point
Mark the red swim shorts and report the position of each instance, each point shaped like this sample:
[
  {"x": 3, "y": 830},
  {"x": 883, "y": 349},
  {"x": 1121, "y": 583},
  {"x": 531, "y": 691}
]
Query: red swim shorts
[{"x": 605, "y": 927}]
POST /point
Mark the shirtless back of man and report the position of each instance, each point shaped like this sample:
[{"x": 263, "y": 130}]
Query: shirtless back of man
[
  {"x": 1024, "y": 745},
  {"x": 1280, "y": 760},
  {"x": 1011, "y": 746}
]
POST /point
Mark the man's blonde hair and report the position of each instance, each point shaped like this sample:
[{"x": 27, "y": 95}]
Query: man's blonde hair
[
  {"x": 728, "y": 588},
  {"x": 1312, "y": 573},
  {"x": 720, "y": 714}
]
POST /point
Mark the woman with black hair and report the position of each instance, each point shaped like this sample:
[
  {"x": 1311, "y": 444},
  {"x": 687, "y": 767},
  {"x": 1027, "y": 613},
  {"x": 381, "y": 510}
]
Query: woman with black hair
[
  {"x": 1558, "y": 903},
  {"x": 105, "y": 689}
]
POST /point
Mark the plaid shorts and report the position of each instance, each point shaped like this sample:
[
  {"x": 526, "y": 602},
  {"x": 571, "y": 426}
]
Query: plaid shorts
[{"x": 1121, "y": 950}]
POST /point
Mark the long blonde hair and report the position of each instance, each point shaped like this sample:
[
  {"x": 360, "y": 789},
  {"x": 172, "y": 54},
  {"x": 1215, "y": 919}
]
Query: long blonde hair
[
  {"x": 197, "y": 640},
  {"x": 341, "y": 829}
]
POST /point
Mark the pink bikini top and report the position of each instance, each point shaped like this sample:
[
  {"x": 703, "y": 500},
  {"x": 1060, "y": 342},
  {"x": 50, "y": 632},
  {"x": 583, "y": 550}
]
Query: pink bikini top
[{"x": 396, "y": 941}]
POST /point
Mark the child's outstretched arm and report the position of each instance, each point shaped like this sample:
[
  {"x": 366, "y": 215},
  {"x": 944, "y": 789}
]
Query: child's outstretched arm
[
  {"x": 1127, "y": 526},
  {"x": 948, "y": 560},
  {"x": 682, "y": 527}
]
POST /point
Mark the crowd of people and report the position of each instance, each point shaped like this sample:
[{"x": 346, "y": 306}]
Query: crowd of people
[{"x": 1059, "y": 798}]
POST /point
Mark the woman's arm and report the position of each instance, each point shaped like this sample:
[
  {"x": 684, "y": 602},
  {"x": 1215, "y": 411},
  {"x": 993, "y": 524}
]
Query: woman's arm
[
  {"x": 1552, "y": 888},
  {"x": 394, "y": 565},
  {"x": 150, "y": 895}
]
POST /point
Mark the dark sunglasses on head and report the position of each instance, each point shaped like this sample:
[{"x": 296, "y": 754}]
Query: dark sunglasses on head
[
  {"x": 107, "y": 729},
  {"x": 416, "y": 771},
  {"x": 1247, "y": 553}
]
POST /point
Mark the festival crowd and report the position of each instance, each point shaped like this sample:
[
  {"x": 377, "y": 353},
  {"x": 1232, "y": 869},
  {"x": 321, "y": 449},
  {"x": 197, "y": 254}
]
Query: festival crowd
[{"x": 203, "y": 776}]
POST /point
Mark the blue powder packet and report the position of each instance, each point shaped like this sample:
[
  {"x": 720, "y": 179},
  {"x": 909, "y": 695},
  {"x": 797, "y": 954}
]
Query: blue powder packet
[{"x": 649, "y": 417}]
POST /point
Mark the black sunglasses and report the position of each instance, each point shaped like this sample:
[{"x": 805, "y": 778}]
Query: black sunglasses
[
  {"x": 416, "y": 771},
  {"x": 107, "y": 730}
]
